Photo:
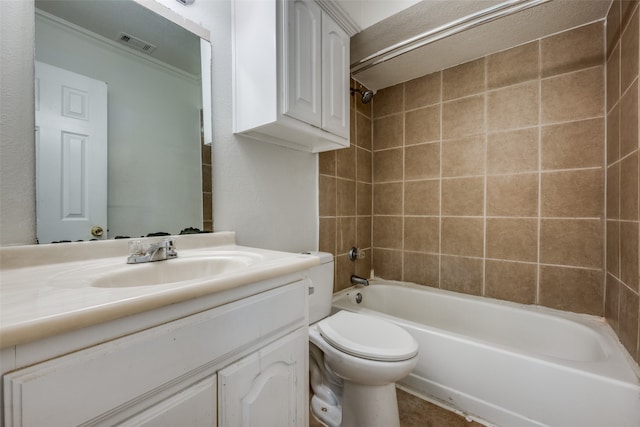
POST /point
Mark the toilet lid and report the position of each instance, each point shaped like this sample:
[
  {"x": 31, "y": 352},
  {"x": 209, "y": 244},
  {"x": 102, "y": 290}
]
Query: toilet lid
[{"x": 367, "y": 337}]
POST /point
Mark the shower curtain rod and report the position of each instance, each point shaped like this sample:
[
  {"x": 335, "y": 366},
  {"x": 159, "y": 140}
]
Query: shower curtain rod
[{"x": 468, "y": 22}]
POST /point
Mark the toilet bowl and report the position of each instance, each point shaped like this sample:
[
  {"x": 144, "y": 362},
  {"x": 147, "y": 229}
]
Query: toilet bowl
[{"x": 355, "y": 360}]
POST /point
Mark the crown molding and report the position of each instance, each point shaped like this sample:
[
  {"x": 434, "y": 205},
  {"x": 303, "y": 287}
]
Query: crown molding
[{"x": 333, "y": 9}]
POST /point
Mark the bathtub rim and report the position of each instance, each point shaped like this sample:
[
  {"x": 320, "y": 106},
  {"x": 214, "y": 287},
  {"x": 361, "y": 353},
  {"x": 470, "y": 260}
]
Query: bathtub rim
[{"x": 597, "y": 324}]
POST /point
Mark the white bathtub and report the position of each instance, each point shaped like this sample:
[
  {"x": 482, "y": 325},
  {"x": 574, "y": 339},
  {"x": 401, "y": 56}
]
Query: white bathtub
[{"x": 508, "y": 364}]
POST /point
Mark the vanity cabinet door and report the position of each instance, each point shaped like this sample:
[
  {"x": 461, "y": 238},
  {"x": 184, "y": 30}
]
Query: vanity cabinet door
[
  {"x": 195, "y": 406},
  {"x": 268, "y": 388},
  {"x": 303, "y": 55}
]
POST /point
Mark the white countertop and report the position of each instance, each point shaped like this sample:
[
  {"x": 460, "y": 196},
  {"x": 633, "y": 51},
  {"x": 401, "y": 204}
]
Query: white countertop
[{"x": 44, "y": 289}]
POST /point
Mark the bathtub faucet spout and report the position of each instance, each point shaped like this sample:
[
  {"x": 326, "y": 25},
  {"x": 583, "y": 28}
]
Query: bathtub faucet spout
[{"x": 357, "y": 280}]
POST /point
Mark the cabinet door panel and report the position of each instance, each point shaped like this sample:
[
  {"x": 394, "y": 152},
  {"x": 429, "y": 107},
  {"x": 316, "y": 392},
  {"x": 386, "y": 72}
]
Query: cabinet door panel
[
  {"x": 302, "y": 57},
  {"x": 194, "y": 406},
  {"x": 268, "y": 388},
  {"x": 335, "y": 78}
]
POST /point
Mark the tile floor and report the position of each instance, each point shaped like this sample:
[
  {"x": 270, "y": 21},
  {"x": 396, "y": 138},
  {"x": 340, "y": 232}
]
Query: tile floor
[{"x": 415, "y": 412}]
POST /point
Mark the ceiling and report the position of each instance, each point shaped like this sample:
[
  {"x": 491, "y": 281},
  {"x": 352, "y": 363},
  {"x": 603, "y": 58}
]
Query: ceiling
[
  {"x": 174, "y": 45},
  {"x": 387, "y": 23}
]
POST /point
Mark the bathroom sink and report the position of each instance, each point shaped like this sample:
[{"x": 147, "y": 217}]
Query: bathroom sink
[
  {"x": 198, "y": 266},
  {"x": 170, "y": 271}
]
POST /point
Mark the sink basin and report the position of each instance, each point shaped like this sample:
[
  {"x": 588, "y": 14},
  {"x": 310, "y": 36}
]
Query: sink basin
[
  {"x": 170, "y": 271},
  {"x": 181, "y": 269}
]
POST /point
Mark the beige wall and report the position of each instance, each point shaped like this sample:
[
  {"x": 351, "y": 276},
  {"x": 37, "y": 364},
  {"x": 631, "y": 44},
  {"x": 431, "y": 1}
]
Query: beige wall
[
  {"x": 345, "y": 197},
  {"x": 622, "y": 299},
  {"x": 489, "y": 178}
]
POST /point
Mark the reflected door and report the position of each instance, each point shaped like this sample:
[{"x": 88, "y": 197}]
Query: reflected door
[{"x": 71, "y": 155}]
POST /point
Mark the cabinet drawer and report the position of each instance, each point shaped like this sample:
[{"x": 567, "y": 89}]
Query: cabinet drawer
[{"x": 130, "y": 371}]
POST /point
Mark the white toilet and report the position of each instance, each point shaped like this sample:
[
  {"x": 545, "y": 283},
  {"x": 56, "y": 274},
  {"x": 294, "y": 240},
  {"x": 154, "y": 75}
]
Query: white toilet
[{"x": 354, "y": 359}]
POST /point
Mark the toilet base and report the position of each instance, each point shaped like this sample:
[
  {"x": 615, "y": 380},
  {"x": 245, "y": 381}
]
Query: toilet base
[
  {"x": 371, "y": 406},
  {"x": 331, "y": 415}
]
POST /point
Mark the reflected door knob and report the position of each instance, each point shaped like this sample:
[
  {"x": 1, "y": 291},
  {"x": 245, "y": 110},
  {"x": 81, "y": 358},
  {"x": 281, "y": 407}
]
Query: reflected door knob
[{"x": 97, "y": 231}]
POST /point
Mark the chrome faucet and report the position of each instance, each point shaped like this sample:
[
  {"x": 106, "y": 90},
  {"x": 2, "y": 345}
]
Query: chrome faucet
[
  {"x": 158, "y": 251},
  {"x": 357, "y": 280}
]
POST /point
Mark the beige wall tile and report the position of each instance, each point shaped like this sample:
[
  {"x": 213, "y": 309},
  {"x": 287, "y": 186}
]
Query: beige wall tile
[
  {"x": 364, "y": 168},
  {"x": 463, "y": 157},
  {"x": 422, "y": 161},
  {"x": 327, "y": 163},
  {"x": 513, "y": 107},
  {"x": 422, "y": 125},
  {"x": 629, "y": 53},
  {"x": 613, "y": 191},
  {"x": 512, "y": 151},
  {"x": 612, "y": 302},
  {"x": 363, "y": 133},
  {"x": 387, "y": 232},
  {"x": 512, "y": 66},
  {"x": 389, "y": 100},
  {"x": 613, "y": 78},
  {"x": 387, "y": 199},
  {"x": 363, "y": 266},
  {"x": 388, "y": 132},
  {"x": 578, "y": 194},
  {"x": 422, "y": 91},
  {"x": 345, "y": 197},
  {"x": 512, "y": 195},
  {"x": 628, "y": 320},
  {"x": 363, "y": 231},
  {"x": 573, "y": 145},
  {"x": 613, "y": 248},
  {"x": 421, "y": 234},
  {"x": 462, "y": 236},
  {"x": 353, "y": 134},
  {"x": 422, "y": 197},
  {"x": 629, "y": 254},
  {"x": 574, "y": 242},
  {"x": 345, "y": 234},
  {"x": 629, "y": 187},
  {"x": 463, "y": 196},
  {"x": 327, "y": 196},
  {"x": 512, "y": 239},
  {"x": 387, "y": 165},
  {"x": 613, "y": 135},
  {"x": 629, "y": 121},
  {"x": 387, "y": 263},
  {"x": 613, "y": 25},
  {"x": 421, "y": 268},
  {"x": 461, "y": 274},
  {"x": 463, "y": 80},
  {"x": 511, "y": 281},
  {"x": 346, "y": 162},
  {"x": 327, "y": 235},
  {"x": 364, "y": 198},
  {"x": 344, "y": 270},
  {"x": 572, "y": 289},
  {"x": 572, "y": 50},
  {"x": 573, "y": 96},
  {"x": 626, "y": 9},
  {"x": 463, "y": 117}
]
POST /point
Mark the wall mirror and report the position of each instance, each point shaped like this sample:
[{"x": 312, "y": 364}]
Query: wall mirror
[{"x": 128, "y": 81}]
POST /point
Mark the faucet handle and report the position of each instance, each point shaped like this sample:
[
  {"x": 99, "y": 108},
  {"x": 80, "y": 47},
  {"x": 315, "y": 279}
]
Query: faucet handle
[{"x": 355, "y": 253}]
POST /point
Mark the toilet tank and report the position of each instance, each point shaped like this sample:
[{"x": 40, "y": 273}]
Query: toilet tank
[{"x": 321, "y": 294}]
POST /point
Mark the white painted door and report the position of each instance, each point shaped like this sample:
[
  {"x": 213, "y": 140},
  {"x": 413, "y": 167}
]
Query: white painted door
[
  {"x": 267, "y": 388},
  {"x": 302, "y": 58},
  {"x": 335, "y": 78},
  {"x": 71, "y": 155}
]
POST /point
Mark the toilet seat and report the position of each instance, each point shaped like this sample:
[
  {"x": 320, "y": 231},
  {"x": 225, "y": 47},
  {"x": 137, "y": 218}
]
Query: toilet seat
[{"x": 367, "y": 337}]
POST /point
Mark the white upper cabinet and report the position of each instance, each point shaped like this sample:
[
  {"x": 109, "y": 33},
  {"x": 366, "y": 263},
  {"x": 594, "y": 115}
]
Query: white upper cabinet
[{"x": 291, "y": 75}]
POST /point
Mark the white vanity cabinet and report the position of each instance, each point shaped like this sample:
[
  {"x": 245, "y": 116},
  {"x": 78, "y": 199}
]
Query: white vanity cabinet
[
  {"x": 245, "y": 360},
  {"x": 291, "y": 75}
]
